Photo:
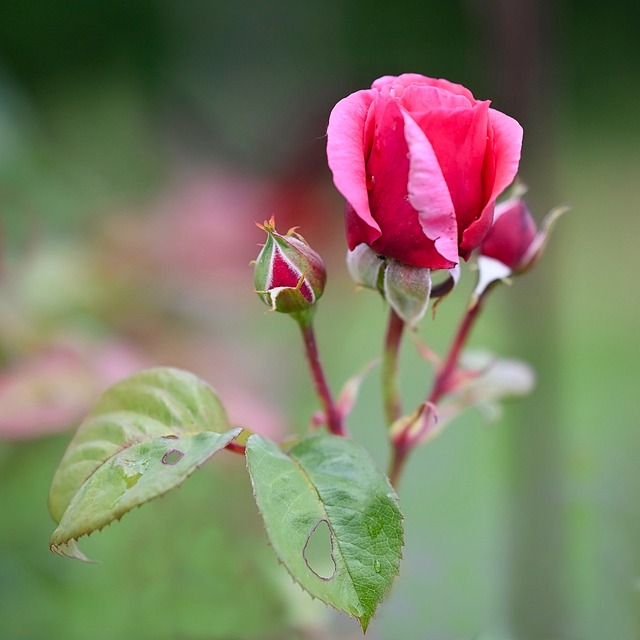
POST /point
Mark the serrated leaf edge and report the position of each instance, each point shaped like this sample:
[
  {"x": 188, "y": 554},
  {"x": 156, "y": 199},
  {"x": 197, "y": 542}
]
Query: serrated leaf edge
[
  {"x": 392, "y": 495},
  {"x": 69, "y": 548}
]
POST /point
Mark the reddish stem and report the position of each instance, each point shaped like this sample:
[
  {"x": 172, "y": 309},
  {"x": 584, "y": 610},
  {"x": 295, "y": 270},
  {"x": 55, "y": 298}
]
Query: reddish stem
[
  {"x": 390, "y": 392},
  {"x": 443, "y": 383},
  {"x": 448, "y": 369},
  {"x": 234, "y": 447},
  {"x": 335, "y": 422}
]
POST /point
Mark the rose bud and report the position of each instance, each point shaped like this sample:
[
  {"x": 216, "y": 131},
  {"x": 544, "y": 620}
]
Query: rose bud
[
  {"x": 514, "y": 244},
  {"x": 420, "y": 163},
  {"x": 289, "y": 275},
  {"x": 511, "y": 234}
]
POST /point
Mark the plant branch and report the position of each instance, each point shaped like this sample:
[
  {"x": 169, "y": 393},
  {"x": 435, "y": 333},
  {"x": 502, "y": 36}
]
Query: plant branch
[
  {"x": 445, "y": 376},
  {"x": 335, "y": 422},
  {"x": 390, "y": 392},
  {"x": 444, "y": 382}
]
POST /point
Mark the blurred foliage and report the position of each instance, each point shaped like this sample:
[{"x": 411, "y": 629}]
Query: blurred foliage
[{"x": 525, "y": 530}]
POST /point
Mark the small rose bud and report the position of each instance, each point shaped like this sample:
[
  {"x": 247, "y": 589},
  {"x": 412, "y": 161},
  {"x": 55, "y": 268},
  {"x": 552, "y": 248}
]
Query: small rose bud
[
  {"x": 514, "y": 239},
  {"x": 511, "y": 234},
  {"x": 289, "y": 275},
  {"x": 514, "y": 244}
]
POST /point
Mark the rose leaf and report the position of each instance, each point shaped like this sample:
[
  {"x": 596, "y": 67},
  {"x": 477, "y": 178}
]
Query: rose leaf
[
  {"x": 144, "y": 436},
  {"x": 332, "y": 518}
]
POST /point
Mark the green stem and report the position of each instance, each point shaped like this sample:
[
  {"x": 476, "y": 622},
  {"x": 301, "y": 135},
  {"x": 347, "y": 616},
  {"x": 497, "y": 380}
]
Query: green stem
[
  {"x": 335, "y": 422},
  {"x": 390, "y": 391}
]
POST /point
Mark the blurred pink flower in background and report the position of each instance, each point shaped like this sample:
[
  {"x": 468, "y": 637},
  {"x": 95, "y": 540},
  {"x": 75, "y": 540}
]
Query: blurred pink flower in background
[
  {"x": 51, "y": 389},
  {"x": 169, "y": 283},
  {"x": 202, "y": 228}
]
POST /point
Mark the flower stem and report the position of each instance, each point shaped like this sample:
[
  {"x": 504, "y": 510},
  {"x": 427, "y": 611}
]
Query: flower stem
[
  {"x": 396, "y": 464},
  {"x": 444, "y": 382},
  {"x": 390, "y": 392},
  {"x": 335, "y": 422},
  {"x": 234, "y": 447},
  {"x": 446, "y": 372}
]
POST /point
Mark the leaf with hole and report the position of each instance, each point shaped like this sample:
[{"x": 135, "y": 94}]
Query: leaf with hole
[
  {"x": 332, "y": 518},
  {"x": 144, "y": 436}
]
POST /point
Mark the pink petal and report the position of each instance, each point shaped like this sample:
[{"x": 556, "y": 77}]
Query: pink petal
[
  {"x": 409, "y": 79},
  {"x": 384, "y": 81},
  {"x": 506, "y": 135},
  {"x": 402, "y": 235},
  {"x": 346, "y": 153},
  {"x": 358, "y": 231},
  {"x": 422, "y": 98},
  {"x": 507, "y": 144},
  {"x": 428, "y": 192},
  {"x": 476, "y": 232},
  {"x": 459, "y": 140}
]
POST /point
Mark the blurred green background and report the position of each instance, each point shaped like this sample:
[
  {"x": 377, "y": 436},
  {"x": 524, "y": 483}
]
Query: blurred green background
[{"x": 138, "y": 143}]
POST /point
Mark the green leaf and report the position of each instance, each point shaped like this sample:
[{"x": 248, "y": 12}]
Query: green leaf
[
  {"x": 145, "y": 435},
  {"x": 330, "y": 484}
]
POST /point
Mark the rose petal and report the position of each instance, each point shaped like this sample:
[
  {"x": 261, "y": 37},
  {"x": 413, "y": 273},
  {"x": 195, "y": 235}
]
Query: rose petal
[
  {"x": 358, "y": 231},
  {"x": 507, "y": 144},
  {"x": 418, "y": 98},
  {"x": 428, "y": 192},
  {"x": 459, "y": 140},
  {"x": 411, "y": 79},
  {"x": 402, "y": 237},
  {"x": 346, "y": 152}
]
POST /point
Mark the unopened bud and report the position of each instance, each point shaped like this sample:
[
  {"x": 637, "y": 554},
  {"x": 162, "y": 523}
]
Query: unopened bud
[
  {"x": 514, "y": 239},
  {"x": 289, "y": 275},
  {"x": 514, "y": 244},
  {"x": 511, "y": 234}
]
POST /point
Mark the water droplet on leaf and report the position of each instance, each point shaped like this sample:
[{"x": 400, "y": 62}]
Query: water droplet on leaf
[{"x": 376, "y": 566}]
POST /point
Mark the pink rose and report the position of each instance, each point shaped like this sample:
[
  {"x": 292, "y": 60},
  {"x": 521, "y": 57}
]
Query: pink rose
[{"x": 420, "y": 163}]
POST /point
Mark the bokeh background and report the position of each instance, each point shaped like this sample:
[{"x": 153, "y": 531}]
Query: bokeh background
[{"x": 138, "y": 143}]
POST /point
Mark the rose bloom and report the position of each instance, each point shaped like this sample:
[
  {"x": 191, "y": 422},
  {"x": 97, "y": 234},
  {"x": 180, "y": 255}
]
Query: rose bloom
[{"x": 420, "y": 163}]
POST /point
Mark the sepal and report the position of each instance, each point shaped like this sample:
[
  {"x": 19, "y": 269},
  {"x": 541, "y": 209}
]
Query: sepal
[
  {"x": 408, "y": 290},
  {"x": 364, "y": 266}
]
